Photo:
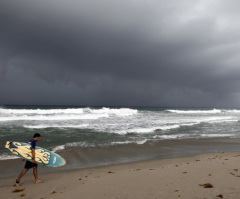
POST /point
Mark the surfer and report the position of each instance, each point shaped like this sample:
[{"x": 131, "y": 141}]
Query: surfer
[{"x": 32, "y": 164}]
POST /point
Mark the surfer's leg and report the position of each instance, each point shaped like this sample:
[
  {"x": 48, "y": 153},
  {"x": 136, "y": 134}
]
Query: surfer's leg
[
  {"x": 35, "y": 173},
  {"x": 20, "y": 176}
]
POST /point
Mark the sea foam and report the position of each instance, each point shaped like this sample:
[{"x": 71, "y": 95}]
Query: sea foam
[{"x": 195, "y": 111}]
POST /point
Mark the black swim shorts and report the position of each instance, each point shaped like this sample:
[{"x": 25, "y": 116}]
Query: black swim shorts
[{"x": 30, "y": 165}]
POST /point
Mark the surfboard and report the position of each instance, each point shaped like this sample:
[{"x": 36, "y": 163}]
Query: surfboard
[{"x": 42, "y": 156}]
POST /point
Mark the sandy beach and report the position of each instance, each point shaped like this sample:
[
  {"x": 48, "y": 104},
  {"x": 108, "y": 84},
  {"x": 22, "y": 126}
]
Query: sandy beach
[{"x": 184, "y": 177}]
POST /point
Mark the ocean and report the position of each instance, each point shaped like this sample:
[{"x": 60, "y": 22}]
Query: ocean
[{"x": 93, "y": 130}]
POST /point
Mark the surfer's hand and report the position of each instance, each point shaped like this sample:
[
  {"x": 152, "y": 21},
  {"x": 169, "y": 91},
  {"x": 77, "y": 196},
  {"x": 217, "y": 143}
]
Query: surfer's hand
[
  {"x": 33, "y": 161},
  {"x": 23, "y": 160}
]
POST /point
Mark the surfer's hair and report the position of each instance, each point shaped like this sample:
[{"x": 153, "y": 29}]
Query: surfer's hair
[{"x": 36, "y": 135}]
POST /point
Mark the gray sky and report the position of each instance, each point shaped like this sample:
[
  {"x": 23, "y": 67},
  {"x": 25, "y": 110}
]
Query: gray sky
[{"x": 120, "y": 53}]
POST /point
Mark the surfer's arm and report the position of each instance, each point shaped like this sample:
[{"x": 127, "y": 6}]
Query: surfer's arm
[{"x": 33, "y": 155}]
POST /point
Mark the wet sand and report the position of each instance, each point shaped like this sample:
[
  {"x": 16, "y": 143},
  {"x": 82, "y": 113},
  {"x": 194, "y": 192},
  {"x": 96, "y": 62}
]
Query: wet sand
[
  {"x": 184, "y": 177},
  {"x": 93, "y": 158}
]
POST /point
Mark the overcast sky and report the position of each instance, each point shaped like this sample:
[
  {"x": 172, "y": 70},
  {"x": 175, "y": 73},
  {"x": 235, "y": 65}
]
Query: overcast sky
[{"x": 180, "y": 53}]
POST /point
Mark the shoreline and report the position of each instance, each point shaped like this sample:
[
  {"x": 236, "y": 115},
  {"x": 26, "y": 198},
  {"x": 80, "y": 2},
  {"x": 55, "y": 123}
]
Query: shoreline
[
  {"x": 161, "y": 178},
  {"x": 94, "y": 158}
]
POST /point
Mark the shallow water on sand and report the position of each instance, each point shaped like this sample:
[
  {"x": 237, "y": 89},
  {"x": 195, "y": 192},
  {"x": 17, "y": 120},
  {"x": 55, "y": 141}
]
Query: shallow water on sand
[{"x": 87, "y": 158}]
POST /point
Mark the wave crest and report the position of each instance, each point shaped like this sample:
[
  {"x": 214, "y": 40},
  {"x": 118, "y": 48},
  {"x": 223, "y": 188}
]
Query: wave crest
[
  {"x": 63, "y": 114},
  {"x": 195, "y": 111}
]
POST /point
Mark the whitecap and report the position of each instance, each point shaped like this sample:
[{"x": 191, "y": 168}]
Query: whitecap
[
  {"x": 81, "y": 126},
  {"x": 58, "y": 148},
  {"x": 8, "y": 157},
  {"x": 195, "y": 111}
]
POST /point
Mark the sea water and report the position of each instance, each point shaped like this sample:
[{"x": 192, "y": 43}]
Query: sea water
[{"x": 77, "y": 128}]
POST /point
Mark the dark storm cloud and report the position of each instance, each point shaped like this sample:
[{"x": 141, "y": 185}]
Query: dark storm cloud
[{"x": 172, "y": 53}]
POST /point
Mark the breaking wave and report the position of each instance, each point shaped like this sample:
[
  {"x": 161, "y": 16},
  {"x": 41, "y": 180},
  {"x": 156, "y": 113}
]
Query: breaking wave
[
  {"x": 195, "y": 111},
  {"x": 63, "y": 114}
]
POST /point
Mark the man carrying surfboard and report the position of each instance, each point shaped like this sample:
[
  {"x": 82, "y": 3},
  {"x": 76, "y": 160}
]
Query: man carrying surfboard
[{"x": 32, "y": 164}]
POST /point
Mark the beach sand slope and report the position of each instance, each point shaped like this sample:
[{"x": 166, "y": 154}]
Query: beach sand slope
[{"x": 205, "y": 176}]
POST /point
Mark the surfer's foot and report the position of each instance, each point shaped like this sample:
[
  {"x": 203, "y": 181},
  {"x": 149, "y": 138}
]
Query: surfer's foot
[
  {"x": 38, "y": 181},
  {"x": 17, "y": 183}
]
